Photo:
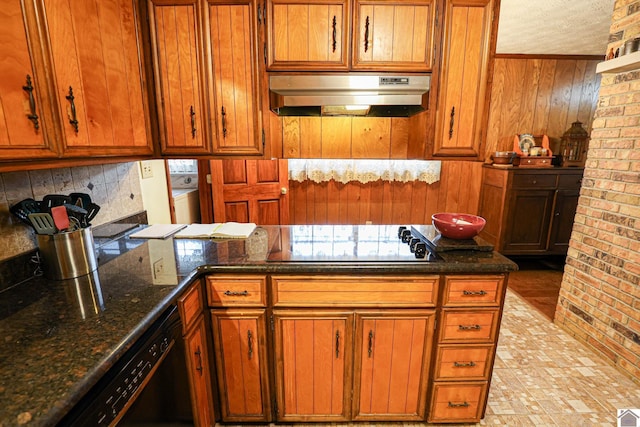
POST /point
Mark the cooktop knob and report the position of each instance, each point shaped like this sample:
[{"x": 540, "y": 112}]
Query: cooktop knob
[
  {"x": 400, "y": 230},
  {"x": 412, "y": 244},
  {"x": 420, "y": 250},
  {"x": 406, "y": 236}
]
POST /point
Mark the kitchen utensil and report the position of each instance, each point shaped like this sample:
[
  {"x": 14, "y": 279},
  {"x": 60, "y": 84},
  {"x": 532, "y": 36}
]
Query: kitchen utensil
[
  {"x": 92, "y": 211},
  {"x": 42, "y": 222},
  {"x": 458, "y": 225},
  {"x": 79, "y": 213},
  {"x": 60, "y": 218},
  {"x": 23, "y": 208},
  {"x": 51, "y": 200},
  {"x": 80, "y": 199}
]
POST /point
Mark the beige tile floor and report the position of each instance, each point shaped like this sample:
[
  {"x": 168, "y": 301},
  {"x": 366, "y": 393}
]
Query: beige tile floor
[{"x": 544, "y": 377}]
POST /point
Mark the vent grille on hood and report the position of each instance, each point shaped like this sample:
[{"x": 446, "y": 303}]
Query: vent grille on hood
[{"x": 388, "y": 95}]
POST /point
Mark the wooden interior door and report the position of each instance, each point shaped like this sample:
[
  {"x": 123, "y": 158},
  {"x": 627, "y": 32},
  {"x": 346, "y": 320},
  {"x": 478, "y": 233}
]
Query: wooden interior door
[
  {"x": 313, "y": 364},
  {"x": 250, "y": 191},
  {"x": 392, "y": 364}
]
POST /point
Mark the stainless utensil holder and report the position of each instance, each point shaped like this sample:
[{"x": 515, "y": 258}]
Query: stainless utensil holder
[{"x": 68, "y": 255}]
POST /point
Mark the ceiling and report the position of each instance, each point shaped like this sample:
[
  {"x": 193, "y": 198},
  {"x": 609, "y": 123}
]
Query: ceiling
[{"x": 554, "y": 27}]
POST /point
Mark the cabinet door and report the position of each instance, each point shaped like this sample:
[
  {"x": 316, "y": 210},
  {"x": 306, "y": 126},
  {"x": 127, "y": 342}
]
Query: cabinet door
[
  {"x": 393, "y": 350},
  {"x": 465, "y": 70},
  {"x": 234, "y": 91},
  {"x": 241, "y": 361},
  {"x": 98, "y": 75},
  {"x": 310, "y": 35},
  {"x": 394, "y": 35},
  {"x": 200, "y": 375},
  {"x": 177, "y": 63},
  {"x": 564, "y": 211},
  {"x": 22, "y": 123},
  {"x": 529, "y": 212},
  {"x": 313, "y": 365}
]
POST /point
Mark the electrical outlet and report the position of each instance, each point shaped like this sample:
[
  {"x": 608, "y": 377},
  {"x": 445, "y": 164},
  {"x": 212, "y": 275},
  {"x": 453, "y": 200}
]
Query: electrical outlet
[
  {"x": 147, "y": 169},
  {"x": 158, "y": 268}
]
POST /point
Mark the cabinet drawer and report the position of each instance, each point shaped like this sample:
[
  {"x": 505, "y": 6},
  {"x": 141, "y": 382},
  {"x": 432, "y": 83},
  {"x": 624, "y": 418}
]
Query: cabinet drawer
[
  {"x": 247, "y": 291},
  {"x": 463, "y": 363},
  {"x": 473, "y": 290},
  {"x": 190, "y": 305},
  {"x": 354, "y": 291},
  {"x": 533, "y": 181},
  {"x": 570, "y": 182},
  {"x": 467, "y": 326},
  {"x": 461, "y": 402}
]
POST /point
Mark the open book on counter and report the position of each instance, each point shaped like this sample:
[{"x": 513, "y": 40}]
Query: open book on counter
[{"x": 224, "y": 230}]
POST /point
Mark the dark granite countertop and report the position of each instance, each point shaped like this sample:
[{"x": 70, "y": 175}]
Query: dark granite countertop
[{"x": 60, "y": 337}]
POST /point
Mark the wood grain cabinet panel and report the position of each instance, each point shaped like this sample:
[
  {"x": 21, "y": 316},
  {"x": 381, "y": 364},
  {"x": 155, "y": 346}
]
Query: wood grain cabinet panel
[
  {"x": 244, "y": 291},
  {"x": 458, "y": 403},
  {"x": 239, "y": 338},
  {"x": 98, "y": 77},
  {"x": 311, "y": 35},
  {"x": 479, "y": 325},
  {"x": 473, "y": 290},
  {"x": 234, "y": 92},
  {"x": 25, "y": 119},
  {"x": 177, "y": 60},
  {"x": 200, "y": 374},
  {"x": 462, "y": 103},
  {"x": 392, "y": 354},
  {"x": 351, "y": 291},
  {"x": 456, "y": 363},
  {"x": 313, "y": 364},
  {"x": 396, "y": 35}
]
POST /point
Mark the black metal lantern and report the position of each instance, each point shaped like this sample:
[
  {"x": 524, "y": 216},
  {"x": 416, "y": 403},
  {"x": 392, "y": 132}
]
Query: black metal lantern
[{"x": 574, "y": 145}]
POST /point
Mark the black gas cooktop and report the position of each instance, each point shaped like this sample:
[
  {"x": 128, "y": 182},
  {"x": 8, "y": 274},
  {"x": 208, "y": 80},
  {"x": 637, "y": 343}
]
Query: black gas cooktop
[{"x": 353, "y": 243}]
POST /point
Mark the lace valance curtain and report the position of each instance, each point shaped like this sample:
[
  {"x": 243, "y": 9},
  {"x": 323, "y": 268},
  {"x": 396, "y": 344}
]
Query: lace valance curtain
[{"x": 363, "y": 171}]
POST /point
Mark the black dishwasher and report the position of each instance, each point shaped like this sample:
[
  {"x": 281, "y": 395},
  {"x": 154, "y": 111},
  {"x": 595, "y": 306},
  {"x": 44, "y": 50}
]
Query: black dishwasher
[{"x": 147, "y": 386}]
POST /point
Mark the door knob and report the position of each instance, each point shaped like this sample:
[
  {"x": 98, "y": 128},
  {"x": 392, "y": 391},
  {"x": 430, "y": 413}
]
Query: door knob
[{"x": 283, "y": 190}]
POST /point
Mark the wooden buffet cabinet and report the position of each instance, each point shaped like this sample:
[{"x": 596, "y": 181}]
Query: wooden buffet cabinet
[
  {"x": 529, "y": 211},
  {"x": 319, "y": 348}
]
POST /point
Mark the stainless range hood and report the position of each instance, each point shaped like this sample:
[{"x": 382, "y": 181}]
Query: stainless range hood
[{"x": 376, "y": 95}]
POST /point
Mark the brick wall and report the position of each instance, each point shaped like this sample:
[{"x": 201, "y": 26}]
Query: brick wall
[{"x": 600, "y": 296}]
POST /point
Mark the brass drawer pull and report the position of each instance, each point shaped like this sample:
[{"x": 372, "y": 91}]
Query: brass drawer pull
[
  {"x": 250, "y": 343},
  {"x": 480, "y": 292},
  {"x": 337, "y": 344},
  {"x": 464, "y": 364},
  {"x": 469, "y": 327},
  {"x": 370, "y": 349},
  {"x": 366, "y": 34},
  {"x": 32, "y": 103},
  {"x": 334, "y": 34},
  {"x": 198, "y": 354},
  {"x": 74, "y": 118},
  {"x": 459, "y": 405},
  {"x": 236, "y": 294}
]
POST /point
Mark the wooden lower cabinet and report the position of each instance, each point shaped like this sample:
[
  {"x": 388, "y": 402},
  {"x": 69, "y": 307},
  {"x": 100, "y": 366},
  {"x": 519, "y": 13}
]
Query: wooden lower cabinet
[
  {"x": 198, "y": 367},
  {"x": 314, "y": 351},
  {"x": 340, "y": 348},
  {"x": 392, "y": 354},
  {"x": 239, "y": 337}
]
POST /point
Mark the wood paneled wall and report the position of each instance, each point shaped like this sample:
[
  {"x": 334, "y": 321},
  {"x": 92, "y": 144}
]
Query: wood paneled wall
[
  {"x": 540, "y": 96},
  {"x": 384, "y": 202}
]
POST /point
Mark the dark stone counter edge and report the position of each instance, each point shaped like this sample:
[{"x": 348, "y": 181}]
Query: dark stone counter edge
[{"x": 57, "y": 413}]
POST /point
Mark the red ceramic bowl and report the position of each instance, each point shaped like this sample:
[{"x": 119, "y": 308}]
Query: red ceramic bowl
[{"x": 458, "y": 225}]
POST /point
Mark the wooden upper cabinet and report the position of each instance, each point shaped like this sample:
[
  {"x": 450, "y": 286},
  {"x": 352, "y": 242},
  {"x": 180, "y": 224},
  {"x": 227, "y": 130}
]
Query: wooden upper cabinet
[
  {"x": 317, "y": 34},
  {"x": 234, "y": 93},
  {"x": 98, "y": 77},
  {"x": 177, "y": 63},
  {"x": 22, "y": 89},
  {"x": 393, "y": 35},
  {"x": 307, "y": 35},
  {"x": 462, "y": 105}
]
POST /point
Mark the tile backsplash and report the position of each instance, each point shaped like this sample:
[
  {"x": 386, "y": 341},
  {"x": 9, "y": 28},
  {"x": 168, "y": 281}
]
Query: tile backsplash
[{"x": 115, "y": 187}]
